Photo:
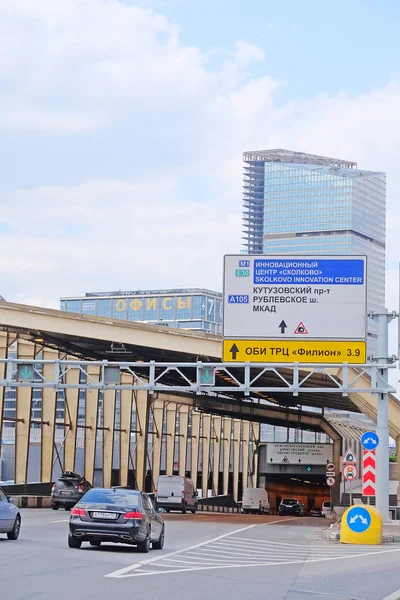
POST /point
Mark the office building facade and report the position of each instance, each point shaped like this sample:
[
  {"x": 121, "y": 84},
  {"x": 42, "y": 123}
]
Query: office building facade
[
  {"x": 299, "y": 204},
  {"x": 188, "y": 308}
]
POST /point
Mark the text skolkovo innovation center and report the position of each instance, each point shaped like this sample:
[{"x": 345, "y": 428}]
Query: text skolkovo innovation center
[{"x": 295, "y": 309}]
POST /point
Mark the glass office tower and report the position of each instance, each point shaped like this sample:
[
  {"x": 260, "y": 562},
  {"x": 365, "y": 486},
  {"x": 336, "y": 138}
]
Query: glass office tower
[{"x": 296, "y": 203}]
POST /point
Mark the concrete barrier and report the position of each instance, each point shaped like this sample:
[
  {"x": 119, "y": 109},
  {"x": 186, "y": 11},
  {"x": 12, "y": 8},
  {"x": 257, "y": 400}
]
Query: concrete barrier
[
  {"x": 32, "y": 501},
  {"x": 221, "y": 509}
]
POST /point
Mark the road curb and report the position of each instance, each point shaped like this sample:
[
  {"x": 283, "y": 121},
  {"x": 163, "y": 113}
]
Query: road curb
[{"x": 328, "y": 534}]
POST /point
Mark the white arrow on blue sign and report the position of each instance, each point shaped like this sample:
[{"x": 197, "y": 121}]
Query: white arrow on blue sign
[
  {"x": 358, "y": 519},
  {"x": 369, "y": 440}
]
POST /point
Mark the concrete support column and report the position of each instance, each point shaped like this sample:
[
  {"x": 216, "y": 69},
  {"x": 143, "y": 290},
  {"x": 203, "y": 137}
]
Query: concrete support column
[
  {"x": 236, "y": 457},
  {"x": 256, "y": 439},
  {"x": 194, "y": 459},
  {"x": 217, "y": 425},
  {"x": 245, "y": 453},
  {"x": 49, "y": 402},
  {"x": 71, "y": 396},
  {"x": 142, "y": 424},
  {"x": 227, "y": 435},
  {"x": 170, "y": 421},
  {"x": 126, "y": 398},
  {"x": 158, "y": 417},
  {"x": 108, "y": 435},
  {"x": 183, "y": 440},
  {"x": 25, "y": 350},
  {"x": 3, "y": 354},
  {"x": 335, "y": 490},
  {"x": 91, "y": 412},
  {"x": 398, "y": 466},
  {"x": 206, "y": 431}
]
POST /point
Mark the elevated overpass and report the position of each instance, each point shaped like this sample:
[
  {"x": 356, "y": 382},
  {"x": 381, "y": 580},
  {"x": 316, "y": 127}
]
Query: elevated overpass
[{"x": 53, "y": 334}]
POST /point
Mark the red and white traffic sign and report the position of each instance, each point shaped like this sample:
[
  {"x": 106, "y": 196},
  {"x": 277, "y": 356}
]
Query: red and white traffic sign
[
  {"x": 349, "y": 457},
  {"x": 330, "y": 481},
  {"x": 369, "y": 473},
  {"x": 330, "y": 467},
  {"x": 350, "y": 472}
]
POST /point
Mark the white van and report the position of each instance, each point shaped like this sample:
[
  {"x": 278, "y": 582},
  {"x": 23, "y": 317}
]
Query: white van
[
  {"x": 326, "y": 507},
  {"x": 255, "y": 500},
  {"x": 176, "y": 493}
]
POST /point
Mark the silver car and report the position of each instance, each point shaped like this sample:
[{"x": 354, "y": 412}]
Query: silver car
[{"x": 10, "y": 518}]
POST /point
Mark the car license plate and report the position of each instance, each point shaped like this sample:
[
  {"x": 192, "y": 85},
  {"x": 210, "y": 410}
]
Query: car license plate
[
  {"x": 64, "y": 493},
  {"x": 104, "y": 515}
]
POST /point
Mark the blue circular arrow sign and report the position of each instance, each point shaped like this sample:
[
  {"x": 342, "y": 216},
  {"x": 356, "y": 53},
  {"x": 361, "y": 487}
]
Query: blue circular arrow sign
[
  {"x": 358, "y": 519},
  {"x": 369, "y": 440}
]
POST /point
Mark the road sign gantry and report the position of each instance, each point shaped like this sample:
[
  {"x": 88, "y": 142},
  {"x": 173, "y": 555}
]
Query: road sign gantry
[{"x": 198, "y": 377}]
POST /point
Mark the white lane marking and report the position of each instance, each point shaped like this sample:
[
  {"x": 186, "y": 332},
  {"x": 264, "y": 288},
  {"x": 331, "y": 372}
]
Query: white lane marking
[
  {"x": 123, "y": 572},
  {"x": 258, "y": 564},
  {"x": 394, "y": 596},
  {"x": 287, "y": 548},
  {"x": 324, "y": 594},
  {"x": 61, "y": 521},
  {"x": 321, "y": 547},
  {"x": 264, "y": 556},
  {"x": 278, "y": 521},
  {"x": 196, "y": 561}
]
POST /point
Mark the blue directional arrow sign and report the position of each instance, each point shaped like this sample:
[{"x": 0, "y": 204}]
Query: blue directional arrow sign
[
  {"x": 358, "y": 519},
  {"x": 369, "y": 440}
]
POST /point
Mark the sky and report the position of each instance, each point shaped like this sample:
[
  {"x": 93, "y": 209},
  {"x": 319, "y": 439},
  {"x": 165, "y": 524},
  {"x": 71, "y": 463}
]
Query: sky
[{"x": 123, "y": 123}]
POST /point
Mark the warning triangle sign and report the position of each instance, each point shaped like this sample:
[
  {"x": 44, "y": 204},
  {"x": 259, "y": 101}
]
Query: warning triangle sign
[
  {"x": 349, "y": 456},
  {"x": 285, "y": 459},
  {"x": 301, "y": 328}
]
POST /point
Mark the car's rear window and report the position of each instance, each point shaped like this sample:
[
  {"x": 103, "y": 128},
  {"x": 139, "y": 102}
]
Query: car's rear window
[
  {"x": 124, "y": 497},
  {"x": 289, "y": 501},
  {"x": 67, "y": 482}
]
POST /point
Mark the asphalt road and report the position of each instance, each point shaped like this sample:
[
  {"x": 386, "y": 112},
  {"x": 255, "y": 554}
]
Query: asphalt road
[{"x": 205, "y": 556}]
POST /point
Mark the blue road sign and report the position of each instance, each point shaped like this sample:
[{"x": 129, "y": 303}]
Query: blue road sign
[
  {"x": 328, "y": 271},
  {"x": 358, "y": 519},
  {"x": 369, "y": 440}
]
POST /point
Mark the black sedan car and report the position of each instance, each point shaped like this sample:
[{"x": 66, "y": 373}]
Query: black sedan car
[
  {"x": 118, "y": 515},
  {"x": 68, "y": 490},
  {"x": 291, "y": 506},
  {"x": 316, "y": 512}
]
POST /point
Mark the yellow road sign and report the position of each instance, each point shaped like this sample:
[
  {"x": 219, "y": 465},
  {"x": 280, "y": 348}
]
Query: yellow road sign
[{"x": 302, "y": 351}]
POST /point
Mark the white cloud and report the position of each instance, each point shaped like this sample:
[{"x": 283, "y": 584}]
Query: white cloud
[
  {"x": 246, "y": 53},
  {"x": 99, "y": 74}
]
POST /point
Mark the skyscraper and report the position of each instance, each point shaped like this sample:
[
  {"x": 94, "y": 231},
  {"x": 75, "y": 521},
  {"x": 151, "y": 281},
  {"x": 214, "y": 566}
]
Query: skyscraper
[{"x": 297, "y": 203}]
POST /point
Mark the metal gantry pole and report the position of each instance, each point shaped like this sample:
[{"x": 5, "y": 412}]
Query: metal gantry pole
[{"x": 382, "y": 430}]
